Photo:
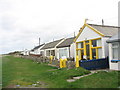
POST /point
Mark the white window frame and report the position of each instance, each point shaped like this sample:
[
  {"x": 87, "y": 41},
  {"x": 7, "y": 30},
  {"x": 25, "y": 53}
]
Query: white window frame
[{"x": 115, "y": 47}]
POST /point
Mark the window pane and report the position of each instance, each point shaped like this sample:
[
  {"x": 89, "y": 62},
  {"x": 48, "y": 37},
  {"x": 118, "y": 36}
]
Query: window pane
[
  {"x": 86, "y": 41},
  {"x": 82, "y": 53},
  {"x": 99, "y": 53},
  {"x": 63, "y": 52},
  {"x": 115, "y": 53},
  {"x": 53, "y": 52},
  {"x": 88, "y": 51},
  {"x": 48, "y": 52},
  {"x": 94, "y": 53},
  {"x": 42, "y": 53},
  {"x": 99, "y": 43},
  {"x": 115, "y": 45},
  {"x": 80, "y": 45},
  {"x": 94, "y": 43}
]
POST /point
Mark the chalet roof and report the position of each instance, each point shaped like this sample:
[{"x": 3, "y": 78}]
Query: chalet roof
[
  {"x": 51, "y": 44},
  {"x": 115, "y": 38},
  {"x": 106, "y": 30},
  {"x": 37, "y": 47},
  {"x": 66, "y": 43}
]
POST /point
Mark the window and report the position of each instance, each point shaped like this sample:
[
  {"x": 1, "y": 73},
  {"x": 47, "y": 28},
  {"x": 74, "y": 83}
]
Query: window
[
  {"x": 80, "y": 45},
  {"x": 42, "y": 53},
  {"x": 94, "y": 43},
  {"x": 99, "y": 43},
  {"x": 94, "y": 53},
  {"x": 115, "y": 50},
  {"x": 99, "y": 53},
  {"x": 96, "y": 49},
  {"x": 53, "y": 52},
  {"x": 80, "y": 54},
  {"x": 48, "y": 52},
  {"x": 87, "y": 41},
  {"x": 92, "y": 49},
  {"x": 63, "y": 52}
]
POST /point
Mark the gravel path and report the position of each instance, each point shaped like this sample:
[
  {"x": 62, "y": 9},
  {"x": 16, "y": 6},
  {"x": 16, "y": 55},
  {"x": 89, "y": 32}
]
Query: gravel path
[{"x": 92, "y": 72}]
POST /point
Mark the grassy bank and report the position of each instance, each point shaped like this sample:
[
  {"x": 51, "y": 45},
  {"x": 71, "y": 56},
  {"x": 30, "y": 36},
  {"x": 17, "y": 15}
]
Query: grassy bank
[
  {"x": 0, "y": 71},
  {"x": 23, "y": 72}
]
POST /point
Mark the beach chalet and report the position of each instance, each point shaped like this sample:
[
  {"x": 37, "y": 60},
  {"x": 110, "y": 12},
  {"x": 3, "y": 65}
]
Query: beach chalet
[
  {"x": 50, "y": 48},
  {"x": 114, "y": 52},
  {"x": 37, "y": 50},
  {"x": 66, "y": 48},
  {"x": 91, "y": 43},
  {"x": 25, "y": 52}
]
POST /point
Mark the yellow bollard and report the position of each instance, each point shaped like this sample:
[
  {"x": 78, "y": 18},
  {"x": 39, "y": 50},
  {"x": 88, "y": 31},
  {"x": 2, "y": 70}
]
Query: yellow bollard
[
  {"x": 77, "y": 61},
  {"x": 51, "y": 58},
  {"x": 64, "y": 62},
  {"x": 61, "y": 63}
]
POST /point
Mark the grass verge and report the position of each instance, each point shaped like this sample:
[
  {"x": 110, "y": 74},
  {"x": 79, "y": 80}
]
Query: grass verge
[{"x": 26, "y": 73}]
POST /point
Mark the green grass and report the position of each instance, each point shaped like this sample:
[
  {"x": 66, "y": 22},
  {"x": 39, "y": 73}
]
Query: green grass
[
  {"x": 0, "y": 72},
  {"x": 18, "y": 71},
  {"x": 102, "y": 79}
]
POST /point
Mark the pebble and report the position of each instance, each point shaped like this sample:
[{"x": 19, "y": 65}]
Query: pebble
[
  {"x": 119, "y": 87},
  {"x": 18, "y": 85},
  {"x": 34, "y": 84},
  {"x": 70, "y": 80},
  {"x": 38, "y": 82}
]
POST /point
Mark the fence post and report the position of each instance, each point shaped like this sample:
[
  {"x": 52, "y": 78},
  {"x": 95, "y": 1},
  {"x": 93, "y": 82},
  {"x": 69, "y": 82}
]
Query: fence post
[
  {"x": 51, "y": 58},
  {"x": 61, "y": 63},
  {"x": 64, "y": 62},
  {"x": 77, "y": 61}
]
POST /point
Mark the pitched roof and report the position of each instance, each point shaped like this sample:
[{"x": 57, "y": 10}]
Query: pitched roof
[
  {"x": 37, "y": 47},
  {"x": 106, "y": 30},
  {"x": 66, "y": 43},
  {"x": 102, "y": 30},
  {"x": 51, "y": 44},
  {"x": 115, "y": 38}
]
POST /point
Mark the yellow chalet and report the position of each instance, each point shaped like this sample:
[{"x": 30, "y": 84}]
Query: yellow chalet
[{"x": 90, "y": 42}]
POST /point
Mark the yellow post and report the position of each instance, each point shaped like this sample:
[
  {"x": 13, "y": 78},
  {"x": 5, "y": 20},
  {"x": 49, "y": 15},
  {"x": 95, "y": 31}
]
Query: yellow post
[
  {"x": 64, "y": 62},
  {"x": 61, "y": 63},
  {"x": 84, "y": 48},
  {"x": 96, "y": 53},
  {"x": 90, "y": 49},
  {"x": 51, "y": 58},
  {"x": 77, "y": 61}
]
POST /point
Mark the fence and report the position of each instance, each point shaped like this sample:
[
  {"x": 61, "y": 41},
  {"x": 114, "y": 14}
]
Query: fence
[
  {"x": 95, "y": 64},
  {"x": 69, "y": 64}
]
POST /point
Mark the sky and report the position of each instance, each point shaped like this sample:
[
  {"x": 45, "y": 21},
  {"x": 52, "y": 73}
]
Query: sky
[{"x": 23, "y": 22}]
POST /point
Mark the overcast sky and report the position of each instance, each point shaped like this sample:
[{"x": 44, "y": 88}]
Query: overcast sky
[{"x": 22, "y": 22}]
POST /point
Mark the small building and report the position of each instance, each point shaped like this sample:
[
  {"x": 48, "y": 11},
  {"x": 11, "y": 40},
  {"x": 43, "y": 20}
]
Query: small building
[
  {"x": 37, "y": 50},
  {"x": 90, "y": 43},
  {"x": 50, "y": 48},
  {"x": 114, "y": 52},
  {"x": 25, "y": 52},
  {"x": 66, "y": 48}
]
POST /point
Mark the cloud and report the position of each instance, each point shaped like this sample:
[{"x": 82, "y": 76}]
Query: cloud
[{"x": 22, "y": 22}]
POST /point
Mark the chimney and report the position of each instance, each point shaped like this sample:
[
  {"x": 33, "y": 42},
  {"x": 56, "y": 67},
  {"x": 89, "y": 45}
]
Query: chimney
[
  {"x": 102, "y": 22},
  {"x": 74, "y": 34},
  {"x": 39, "y": 41},
  {"x": 85, "y": 21}
]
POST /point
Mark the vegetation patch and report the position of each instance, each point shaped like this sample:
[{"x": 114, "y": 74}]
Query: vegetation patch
[{"x": 19, "y": 72}]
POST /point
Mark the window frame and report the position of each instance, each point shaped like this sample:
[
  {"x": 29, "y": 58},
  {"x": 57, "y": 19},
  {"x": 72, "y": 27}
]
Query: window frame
[{"x": 91, "y": 47}]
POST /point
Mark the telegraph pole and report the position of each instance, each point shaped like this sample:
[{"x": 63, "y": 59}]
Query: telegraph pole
[{"x": 39, "y": 41}]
